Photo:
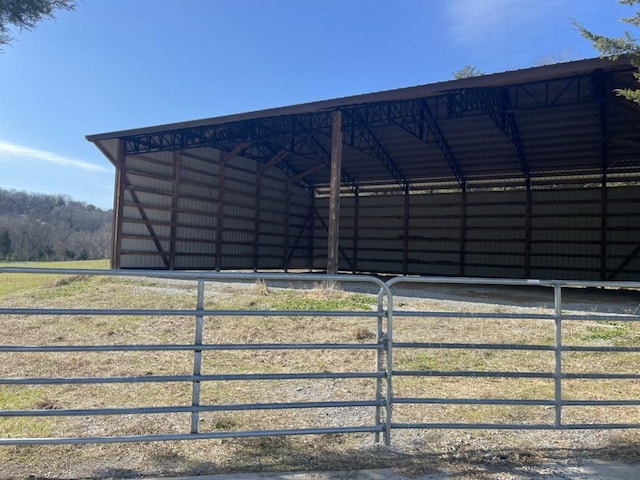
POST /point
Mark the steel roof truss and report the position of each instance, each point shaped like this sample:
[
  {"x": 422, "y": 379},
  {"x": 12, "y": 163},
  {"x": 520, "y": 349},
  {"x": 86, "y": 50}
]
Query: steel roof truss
[
  {"x": 362, "y": 138},
  {"x": 501, "y": 113},
  {"x": 413, "y": 116},
  {"x": 428, "y": 130},
  {"x": 230, "y": 133}
]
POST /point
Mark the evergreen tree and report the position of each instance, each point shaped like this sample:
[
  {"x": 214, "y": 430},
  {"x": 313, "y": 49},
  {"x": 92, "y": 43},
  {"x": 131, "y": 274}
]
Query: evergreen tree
[
  {"x": 467, "y": 71},
  {"x": 615, "y": 47},
  {"x": 25, "y": 14}
]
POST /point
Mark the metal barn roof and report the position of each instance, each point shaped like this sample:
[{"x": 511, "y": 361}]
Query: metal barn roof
[
  {"x": 533, "y": 173},
  {"x": 530, "y": 126}
]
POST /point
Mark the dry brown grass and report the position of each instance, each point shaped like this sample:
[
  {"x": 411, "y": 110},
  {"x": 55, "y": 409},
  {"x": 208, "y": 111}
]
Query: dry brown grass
[{"x": 413, "y": 452}]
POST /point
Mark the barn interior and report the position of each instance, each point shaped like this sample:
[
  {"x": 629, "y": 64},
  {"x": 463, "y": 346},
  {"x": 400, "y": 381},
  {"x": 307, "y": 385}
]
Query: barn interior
[{"x": 531, "y": 173}]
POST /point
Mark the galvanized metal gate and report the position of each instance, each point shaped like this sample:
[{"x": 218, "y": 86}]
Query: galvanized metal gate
[{"x": 385, "y": 400}]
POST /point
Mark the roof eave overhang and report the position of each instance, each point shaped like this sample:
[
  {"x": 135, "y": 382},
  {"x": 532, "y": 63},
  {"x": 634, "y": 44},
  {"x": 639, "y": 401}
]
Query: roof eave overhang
[{"x": 528, "y": 75}]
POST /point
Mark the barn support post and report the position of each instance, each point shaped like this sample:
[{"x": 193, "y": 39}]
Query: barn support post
[
  {"x": 356, "y": 228},
  {"x": 256, "y": 222},
  {"x": 174, "y": 209},
  {"x": 463, "y": 229},
  {"x": 287, "y": 226},
  {"x": 405, "y": 229},
  {"x": 334, "y": 194},
  {"x": 118, "y": 205},
  {"x": 601, "y": 91},
  {"x": 220, "y": 214},
  {"x": 528, "y": 230},
  {"x": 312, "y": 230},
  {"x": 604, "y": 199}
]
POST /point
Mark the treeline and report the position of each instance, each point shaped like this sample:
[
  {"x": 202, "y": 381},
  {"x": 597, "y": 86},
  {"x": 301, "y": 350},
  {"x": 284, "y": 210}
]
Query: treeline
[{"x": 36, "y": 226}]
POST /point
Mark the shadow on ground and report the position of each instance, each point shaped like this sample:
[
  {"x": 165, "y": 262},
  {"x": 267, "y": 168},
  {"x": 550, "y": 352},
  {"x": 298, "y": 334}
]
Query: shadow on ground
[{"x": 288, "y": 455}]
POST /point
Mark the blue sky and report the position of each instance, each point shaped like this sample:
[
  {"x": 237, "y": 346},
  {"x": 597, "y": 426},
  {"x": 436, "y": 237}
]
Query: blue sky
[{"x": 119, "y": 64}]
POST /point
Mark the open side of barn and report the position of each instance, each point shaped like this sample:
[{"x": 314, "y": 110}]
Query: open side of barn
[{"x": 528, "y": 174}]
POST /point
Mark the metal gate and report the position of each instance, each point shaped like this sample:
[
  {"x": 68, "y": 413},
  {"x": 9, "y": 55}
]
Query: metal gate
[{"x": 409, "y": 361}]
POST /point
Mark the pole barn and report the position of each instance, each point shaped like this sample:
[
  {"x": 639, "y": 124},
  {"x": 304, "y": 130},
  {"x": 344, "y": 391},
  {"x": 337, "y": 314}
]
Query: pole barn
[{"x": 531, "y": 173}]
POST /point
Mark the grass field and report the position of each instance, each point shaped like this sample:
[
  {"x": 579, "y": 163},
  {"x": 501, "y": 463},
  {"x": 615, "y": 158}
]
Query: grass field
[{"x": 414, "y": 451}]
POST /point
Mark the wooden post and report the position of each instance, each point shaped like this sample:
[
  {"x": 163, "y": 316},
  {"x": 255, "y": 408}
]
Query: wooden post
[
  {"x": 220, "y": 214},
  {"x": 356, "y": 229},
  {"x": 604, "y": 202},
  {"x": 174, "y": 210},
  {"x": 405, "y": 230},
  {"x": 334, "y": 195},
  {"x": 604, "y": 197},
  {"x": 287, "y": 225},
  {"x": 528, "y": 230},
  {"x": 312, "y": 231},
  {"x": 463, "y": 230},
  {"x": 256, "y": 223},
  {"x": 118, "y": 205}
]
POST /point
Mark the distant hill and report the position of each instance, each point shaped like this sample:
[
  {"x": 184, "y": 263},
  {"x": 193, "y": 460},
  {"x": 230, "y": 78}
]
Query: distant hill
[{"x": 35, "y": 226}]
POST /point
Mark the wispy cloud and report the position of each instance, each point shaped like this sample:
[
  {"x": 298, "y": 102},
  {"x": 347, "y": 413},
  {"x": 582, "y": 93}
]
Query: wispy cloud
[
  {"x": 11, "y": 151},
  {"x": 473, "y": 20}
]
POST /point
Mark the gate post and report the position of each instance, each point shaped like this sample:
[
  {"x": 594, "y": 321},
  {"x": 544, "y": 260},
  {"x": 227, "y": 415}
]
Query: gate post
[{"x": 197, "y": 358}]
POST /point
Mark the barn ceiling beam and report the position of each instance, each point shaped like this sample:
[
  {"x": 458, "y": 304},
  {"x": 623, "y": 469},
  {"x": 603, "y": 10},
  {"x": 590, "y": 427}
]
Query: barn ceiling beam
[
  {"x": 560, "y": 92},
  {"x": 228, "y": 134},
  {"x": 364, "y": 140},
  {"x": 533, "y": 95}
]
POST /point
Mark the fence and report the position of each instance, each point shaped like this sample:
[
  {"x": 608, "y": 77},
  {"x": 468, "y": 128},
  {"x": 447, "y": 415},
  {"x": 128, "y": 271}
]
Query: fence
[{"x": 394, "y": 360}]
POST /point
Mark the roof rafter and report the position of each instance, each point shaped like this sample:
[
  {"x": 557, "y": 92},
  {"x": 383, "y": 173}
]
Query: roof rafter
[
  {"x": 416, "y": 118},
  {"x": 364, "y": 140},
  {"x": 501, "y": 113},
  {"x": 428, "y": 130}
]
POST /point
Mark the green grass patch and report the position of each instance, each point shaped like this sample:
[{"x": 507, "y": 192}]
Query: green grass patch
[
  {"x": 320, "y": 298},
  {"x": 609, "y": 331},
  {"x": 17, "y": 283},
  {"x": 294, "y": 301},
  {"x": 24, "y": 398},
  {"x": 454, "y": 360}
]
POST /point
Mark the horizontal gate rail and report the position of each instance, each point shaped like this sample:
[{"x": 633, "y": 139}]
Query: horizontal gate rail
[
  {"x": 178, "y": 409},
  {"x": 389, "y": 371},
  {"x": 191, "y": 436},
  {"x": 186, "y": 378},
  {"x": 554, "y": 320},
  {"x": 190, "y": 348},
  {"x": 379, "y": 403}
]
